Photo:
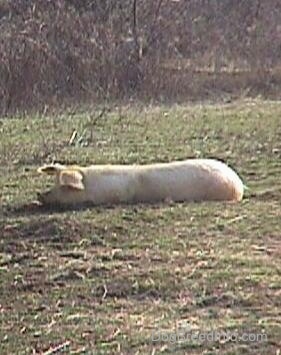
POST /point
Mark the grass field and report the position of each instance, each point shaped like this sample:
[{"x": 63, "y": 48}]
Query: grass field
[{"x": 104, "y": 280}]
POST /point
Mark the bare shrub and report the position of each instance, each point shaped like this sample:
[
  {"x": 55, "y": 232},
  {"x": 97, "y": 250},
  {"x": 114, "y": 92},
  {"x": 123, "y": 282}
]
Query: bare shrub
[{"x": 55, "y": 52}]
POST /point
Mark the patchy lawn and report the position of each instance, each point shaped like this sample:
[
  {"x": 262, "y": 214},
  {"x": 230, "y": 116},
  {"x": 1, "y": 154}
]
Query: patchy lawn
[{"x": 110, "y": 280}]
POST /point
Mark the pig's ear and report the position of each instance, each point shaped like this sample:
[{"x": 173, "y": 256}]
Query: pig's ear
[
  {"x": 51, "y": 169},
  {"x": 71, "y": 178}
]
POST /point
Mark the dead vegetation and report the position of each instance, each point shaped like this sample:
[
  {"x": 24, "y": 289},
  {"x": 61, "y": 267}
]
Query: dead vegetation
[{"x": 55, "y": 52}]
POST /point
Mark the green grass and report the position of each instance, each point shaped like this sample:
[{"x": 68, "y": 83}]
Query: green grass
[{"x": 102, "y": 280}]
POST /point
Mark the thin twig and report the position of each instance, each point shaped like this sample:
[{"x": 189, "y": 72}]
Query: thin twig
[
  {"x": 73, "y": 137},
  {"x": 57, "y": 348},
  {"x": 105, "y": 292}
]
